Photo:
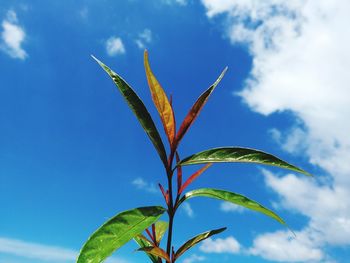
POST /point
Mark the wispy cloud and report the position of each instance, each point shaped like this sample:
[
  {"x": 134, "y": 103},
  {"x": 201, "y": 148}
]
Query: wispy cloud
[
  {"x": 221, "y": 245},
  {"x": 301, "y": 61},
  {"x": 141, "y": 184},
  {"x": 115, "y": 46},
  {"x": 145, "y": 37},
  {"x": 193, "y": 258},
  {"x": 12, "y": 36},
  {"x": 186, "y": 207},
  {"x": 229, "y": 207},
  {"x": 36, "y": 251},
  {"x": 42, "y": 252}
]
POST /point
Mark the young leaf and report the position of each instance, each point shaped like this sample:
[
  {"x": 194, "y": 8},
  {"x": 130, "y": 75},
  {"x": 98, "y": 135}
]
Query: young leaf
[
  {"x": 160, "y": 228},
  {"x": 143, "y": 242},
  {"x": 195, "y": 240},
  {"x": 117, "y": 231},
  {"x": 156, "y": 251},
  {"x": 196, "y": 108},
  {"x": 232, "y": 198},
  {"x": 161, "y": 101},
  {"x": 139, "y": 109},
  {"x": 164, "y": 193},
  {"x": 194, "y": 176},
  {"x": 238, "y": 154}
]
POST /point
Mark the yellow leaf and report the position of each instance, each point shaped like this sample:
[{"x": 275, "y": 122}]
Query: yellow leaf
[{"x": 161, "y": 102}]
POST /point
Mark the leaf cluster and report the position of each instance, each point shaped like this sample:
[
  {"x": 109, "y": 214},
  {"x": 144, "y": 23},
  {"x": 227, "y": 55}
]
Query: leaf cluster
[{"x": 143, "y": 224}]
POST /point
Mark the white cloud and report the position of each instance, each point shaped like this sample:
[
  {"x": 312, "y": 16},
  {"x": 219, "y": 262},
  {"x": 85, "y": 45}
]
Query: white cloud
[
  {"x": 12, "y": 36},
  {"x": 141, "y": 184},
  {"x": 219, "y": 6},
  {"x": 115, "y": 46},
  {"x": 220, "y": 245},
  {"x": 292, "y": 141},
  {"x": 282, "y": 247},
  {"x": 328, "y": 208},
  {"x": 24, "y": 249},
  {"x": 145, "y": 37},
  {"x": 188, "y": 210},
  {"x": 36, "y": 251},
  {"x": 193, "y": 258},
  {"x": 301, "y": 60},
  {"x": 229, "y": 207}
]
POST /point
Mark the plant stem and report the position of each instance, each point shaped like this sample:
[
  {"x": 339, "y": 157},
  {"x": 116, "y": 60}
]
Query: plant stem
[
  {"x": 171, "y": 219},
  {"x": 171, "y": 211},
  {"x": 171, "y": 216}
]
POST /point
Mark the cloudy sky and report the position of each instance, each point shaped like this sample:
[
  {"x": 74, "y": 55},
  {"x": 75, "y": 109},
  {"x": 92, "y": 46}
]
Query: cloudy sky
[{"x": 72, "y": 154}]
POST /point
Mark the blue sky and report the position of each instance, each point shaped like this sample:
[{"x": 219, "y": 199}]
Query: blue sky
[{"x": 72, "y": 154}]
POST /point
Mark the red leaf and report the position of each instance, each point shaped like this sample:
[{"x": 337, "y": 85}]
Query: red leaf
[
  {"x": 150, "y": 235},
  {"x": 194, "y": 176},
  {"x": 196, "y": 108},
  {"x": 154, "y": 234},
  {"x": 163, "y": 193},
  {"x": 167, "y": 197}
]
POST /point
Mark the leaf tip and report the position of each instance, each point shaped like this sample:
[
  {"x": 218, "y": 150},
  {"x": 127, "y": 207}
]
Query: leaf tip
[
  {"x": 308, "y": 174},
  {"x": 223, "y": 73},
  {"x": 145, "y": 56},
  {"x": 303, "y": 172},
  {"x": 97, "y": 60}
]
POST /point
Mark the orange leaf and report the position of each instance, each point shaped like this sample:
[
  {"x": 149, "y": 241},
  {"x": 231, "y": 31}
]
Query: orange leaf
[
  {"x": 196, "y": 108},
  {"x": 161, "y": 102}
]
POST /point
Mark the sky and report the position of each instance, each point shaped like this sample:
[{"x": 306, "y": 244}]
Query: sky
[{"x": 73, "y": 155}]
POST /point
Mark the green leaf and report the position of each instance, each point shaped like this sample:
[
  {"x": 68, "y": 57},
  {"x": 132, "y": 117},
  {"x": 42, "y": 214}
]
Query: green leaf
[
  {"x": 161, "y": 227},
  {"x": 238, "y": 154},
  {"x": 117, "y": 231},
  {"x": 196, "y": 108},
  {"x": 143, "y": 242},
  {"x": 156, "y": 251},
  {"x": 234, "y": 198},
  {"x": 195, "y": 240},
  {"x": 139, "y": 109}
]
